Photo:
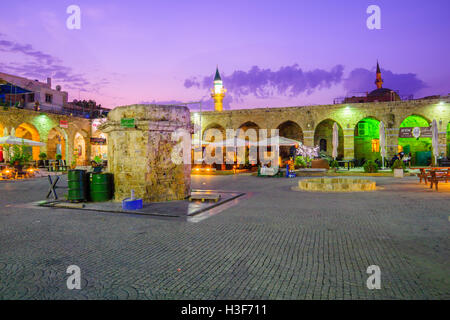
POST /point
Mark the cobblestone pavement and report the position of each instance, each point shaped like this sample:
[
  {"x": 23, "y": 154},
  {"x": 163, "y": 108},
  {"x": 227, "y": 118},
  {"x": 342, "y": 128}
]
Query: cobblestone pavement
[{"x": 278, "y": 244}]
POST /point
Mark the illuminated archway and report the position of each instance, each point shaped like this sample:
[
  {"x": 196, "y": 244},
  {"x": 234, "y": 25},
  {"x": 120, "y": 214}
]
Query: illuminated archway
[
  {"x": 98, "y": 149},
  {"x": 289, "y": 129},
  {"x": 419, "y": 148},
  {"x": 323, "y": 136},
  {"x": 2, "y": 128},
  {"x": 218, "y": 127},
  {"x": 79, "y": 149},
  {"x": 367, "y": 139},
  {"x": 28, "y": 131},
  {"x": 56, "y": 144}
]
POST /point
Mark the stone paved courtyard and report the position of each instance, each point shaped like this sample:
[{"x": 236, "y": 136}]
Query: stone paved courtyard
[{"x": 276, "y": 244}]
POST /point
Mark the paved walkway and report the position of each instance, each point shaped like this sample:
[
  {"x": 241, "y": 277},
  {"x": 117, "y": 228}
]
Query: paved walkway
[{"x": 278, "y": 244}]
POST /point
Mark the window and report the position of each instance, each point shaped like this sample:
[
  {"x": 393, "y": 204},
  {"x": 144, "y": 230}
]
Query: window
[
  {"x": 375, "y": 145},
  {"x": 323, "y": 145},
  {"x": 362, "y": 129},
  {"x": 48, "y": 98},
  {"x": 30, "y": 97}
]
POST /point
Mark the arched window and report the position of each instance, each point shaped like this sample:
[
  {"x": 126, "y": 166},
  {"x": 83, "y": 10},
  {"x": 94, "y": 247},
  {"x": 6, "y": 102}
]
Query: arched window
[{"x": 323, "y": 145}]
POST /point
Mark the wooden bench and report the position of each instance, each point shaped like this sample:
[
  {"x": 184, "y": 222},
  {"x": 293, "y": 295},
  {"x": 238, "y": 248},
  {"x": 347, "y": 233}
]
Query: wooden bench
[
  {"x": 438, "y": 175},
  {"x": 423, "y": 175}
]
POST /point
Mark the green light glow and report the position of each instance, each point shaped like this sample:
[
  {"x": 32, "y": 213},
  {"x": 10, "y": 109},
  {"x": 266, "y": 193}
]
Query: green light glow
[
  {"x": 366, "y": 130},
  {"x": 420, "y": 149}
]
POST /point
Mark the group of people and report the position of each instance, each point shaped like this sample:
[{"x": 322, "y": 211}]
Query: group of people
[{"x": 406, "y": 158}]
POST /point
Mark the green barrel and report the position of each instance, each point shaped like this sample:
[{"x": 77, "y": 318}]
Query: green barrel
[
  {"x": 77, "y": 185},
  {"x": 100, "y": 187}
]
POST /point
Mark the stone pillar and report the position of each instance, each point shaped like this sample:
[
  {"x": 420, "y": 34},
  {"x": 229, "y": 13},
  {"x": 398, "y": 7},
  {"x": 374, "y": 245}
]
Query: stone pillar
[
  {"x": 349, "y": 144},
  {"x": 141, "y": 157},
  {"x": 443, "y": 138},
  {"x": 308, "y": 138},
  {"x": 391, "y": 142}
]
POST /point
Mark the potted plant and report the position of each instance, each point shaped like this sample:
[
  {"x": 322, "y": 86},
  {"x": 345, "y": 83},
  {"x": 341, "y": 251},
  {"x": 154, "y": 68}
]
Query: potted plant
[
  {"x": 18, "y": 156},
  {"x": 42, "y": 158},
  {"x": 398, "y": 167}
]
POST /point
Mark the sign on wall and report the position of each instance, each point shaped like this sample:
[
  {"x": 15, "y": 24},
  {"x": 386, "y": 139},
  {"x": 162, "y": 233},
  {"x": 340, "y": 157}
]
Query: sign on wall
[
  {"x": 127, "y": 122},
  {"x": 98, "y": 141},
  {"x": 415, "y": 132},
  {"x": 64, "y": 123}
]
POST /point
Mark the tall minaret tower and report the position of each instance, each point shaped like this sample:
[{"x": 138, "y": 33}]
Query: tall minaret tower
[
  {"x": 218, "y": 92},
  {"x": 379, "y": 81}
]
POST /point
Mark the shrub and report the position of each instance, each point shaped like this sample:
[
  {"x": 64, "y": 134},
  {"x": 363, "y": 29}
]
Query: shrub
[
  {"x": 18, "y": 154},
  {"x": 58, "y": 157},
  {"x": 398, "y": 164},
  {"x": 42, "y": 156},
  {"x": 334, "y": 164},
  {"x": 370, "y": 167},
  {"x": 300, "y": 162}
]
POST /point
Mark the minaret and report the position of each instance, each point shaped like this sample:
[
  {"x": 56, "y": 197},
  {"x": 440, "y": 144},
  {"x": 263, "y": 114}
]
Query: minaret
[
  {"x": 218, "y": 92},
  {"x": 379, "y": 81}
]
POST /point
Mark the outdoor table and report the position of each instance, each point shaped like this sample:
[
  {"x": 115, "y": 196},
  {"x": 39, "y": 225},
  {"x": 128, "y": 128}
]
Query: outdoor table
[
  {"x": 345, "y": 162},
  {"x": 425, "y": 172}
]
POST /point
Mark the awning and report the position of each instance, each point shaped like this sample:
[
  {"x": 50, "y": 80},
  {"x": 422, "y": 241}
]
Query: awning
[
  {"x": 9, "y": 88},
  {"x": 20, "y": 141}
]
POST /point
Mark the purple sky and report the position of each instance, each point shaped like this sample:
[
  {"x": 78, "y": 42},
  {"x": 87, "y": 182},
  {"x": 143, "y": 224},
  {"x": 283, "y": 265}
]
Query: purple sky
[{"x": 270, "y": 53}]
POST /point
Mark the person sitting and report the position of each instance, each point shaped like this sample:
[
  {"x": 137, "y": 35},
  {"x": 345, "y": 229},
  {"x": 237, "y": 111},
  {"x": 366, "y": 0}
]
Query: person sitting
[{"x": 96, "y": 168}]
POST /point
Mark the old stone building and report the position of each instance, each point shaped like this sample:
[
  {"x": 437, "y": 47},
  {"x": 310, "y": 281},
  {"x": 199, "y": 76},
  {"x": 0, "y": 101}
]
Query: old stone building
[
  {"x": 312, "y": 125},
  {"x": 358, "y": 120},
  {"x": 62, "y": 134}
]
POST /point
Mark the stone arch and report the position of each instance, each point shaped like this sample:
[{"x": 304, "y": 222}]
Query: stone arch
[
  {"x": 290, "y": 129},
  {"x": 97, "y": 149},
  {"x": 324, "y": 132},
  {"x": 367, "y": 139},
  {"x": 420, "y": 148},
  {"x": 80, "y": 148},
  {"x": 28, "y": 131},
  {"x": 248, "y": 125},
  {"x": 57, "y": 143},
  {"x": 215, "y": 125}
]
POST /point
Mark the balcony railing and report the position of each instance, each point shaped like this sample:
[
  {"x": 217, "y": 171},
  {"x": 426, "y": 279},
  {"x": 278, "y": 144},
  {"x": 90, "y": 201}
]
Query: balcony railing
[{"x": 74, "y": 112}]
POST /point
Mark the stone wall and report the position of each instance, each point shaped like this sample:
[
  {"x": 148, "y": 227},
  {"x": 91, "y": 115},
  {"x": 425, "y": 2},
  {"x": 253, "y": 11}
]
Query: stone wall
[
  {"x": 141, "y": 157},
  {"x": 308, "y": 118}
]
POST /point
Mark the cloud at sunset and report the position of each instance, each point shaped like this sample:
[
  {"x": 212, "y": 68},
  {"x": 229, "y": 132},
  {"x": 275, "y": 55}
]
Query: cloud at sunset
[
  {"x": 38, "y": 64},
  {"x": 265, "y": 82},
  {"x": 292, "y": 81},
  {"x": 362, "y": 80}
]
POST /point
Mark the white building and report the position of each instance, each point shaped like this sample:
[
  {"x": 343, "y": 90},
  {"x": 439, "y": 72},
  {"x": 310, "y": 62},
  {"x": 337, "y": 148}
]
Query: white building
[{"x": 42, "y": 92}]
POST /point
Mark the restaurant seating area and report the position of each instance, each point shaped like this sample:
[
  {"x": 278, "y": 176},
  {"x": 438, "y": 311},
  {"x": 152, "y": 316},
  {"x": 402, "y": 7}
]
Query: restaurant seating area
[{"x": 434, "y": 175}]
